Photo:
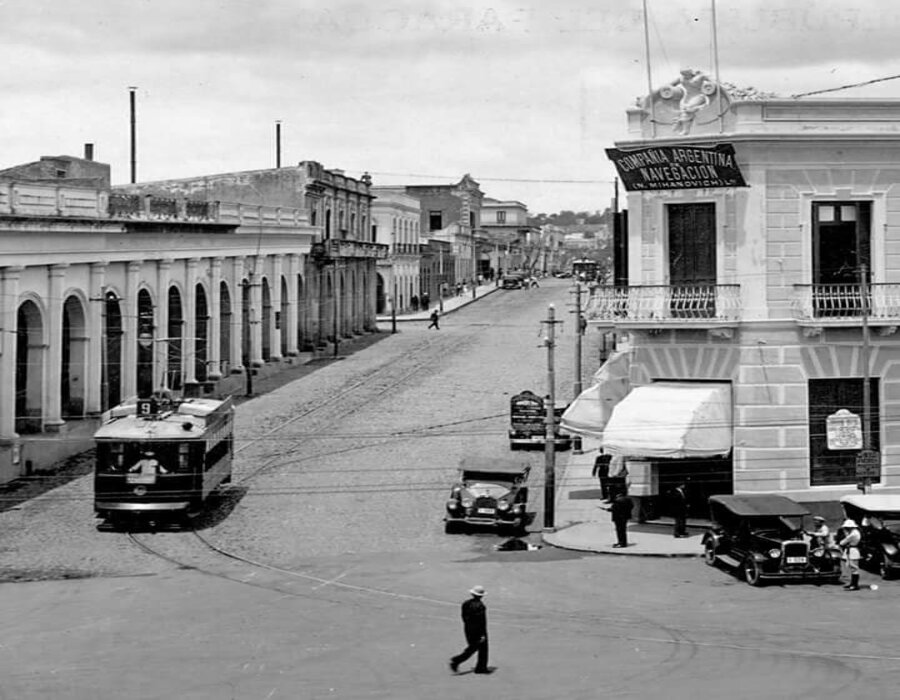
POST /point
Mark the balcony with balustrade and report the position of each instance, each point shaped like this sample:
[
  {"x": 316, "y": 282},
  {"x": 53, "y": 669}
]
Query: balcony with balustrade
[
  {"x": 820, "y": 306},
  {"x": 713, "y": 307}
]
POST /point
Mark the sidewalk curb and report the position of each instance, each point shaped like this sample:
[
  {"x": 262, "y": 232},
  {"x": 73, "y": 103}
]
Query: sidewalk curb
[
  {"x": 551, "y": 539},
  {"x": 425, "y": 316},
  {"x": 613, "y": 553}
]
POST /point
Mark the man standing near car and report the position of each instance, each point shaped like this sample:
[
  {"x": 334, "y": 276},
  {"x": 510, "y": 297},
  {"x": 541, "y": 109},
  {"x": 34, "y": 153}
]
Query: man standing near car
[
  {"x": 474, "y": 616},
  {"x": 850, "y": 545}
]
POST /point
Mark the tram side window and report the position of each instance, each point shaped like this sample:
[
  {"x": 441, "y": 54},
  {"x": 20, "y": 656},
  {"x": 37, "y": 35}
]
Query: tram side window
[{"x": 218, "y": 452}]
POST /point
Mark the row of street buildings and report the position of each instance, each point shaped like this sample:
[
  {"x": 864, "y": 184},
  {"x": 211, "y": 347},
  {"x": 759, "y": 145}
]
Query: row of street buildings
[
  {"x": 756, "y": 297},
  {"x": 196, "y": 285}
]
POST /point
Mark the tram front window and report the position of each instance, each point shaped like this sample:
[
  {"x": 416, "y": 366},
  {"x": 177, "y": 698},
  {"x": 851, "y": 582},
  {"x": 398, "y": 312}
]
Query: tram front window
[{"x": 138, "y": 457}]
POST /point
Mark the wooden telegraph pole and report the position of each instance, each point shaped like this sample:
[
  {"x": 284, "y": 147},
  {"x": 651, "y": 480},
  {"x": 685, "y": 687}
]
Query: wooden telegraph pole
[{"x": 550, "y": 420}]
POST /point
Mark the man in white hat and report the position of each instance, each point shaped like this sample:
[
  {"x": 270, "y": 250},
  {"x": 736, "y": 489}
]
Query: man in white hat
[
  {"x": 850, "y": 545},
  {"x": 821, "y": 536},
  {"x": 474, "y": 616}
]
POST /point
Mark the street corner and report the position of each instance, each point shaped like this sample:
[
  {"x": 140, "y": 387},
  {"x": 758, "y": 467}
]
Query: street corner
[{"x": 599, "y": 537}]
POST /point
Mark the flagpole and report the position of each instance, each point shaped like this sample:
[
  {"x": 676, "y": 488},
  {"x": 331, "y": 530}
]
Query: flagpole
[
  {"x": 649, "y": 76},
  {"x": 715, "y": 39}
]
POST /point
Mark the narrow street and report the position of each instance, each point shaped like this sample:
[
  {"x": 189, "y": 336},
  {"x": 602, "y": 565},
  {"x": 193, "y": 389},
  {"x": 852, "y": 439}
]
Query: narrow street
[{"x": 324, "y": 570}]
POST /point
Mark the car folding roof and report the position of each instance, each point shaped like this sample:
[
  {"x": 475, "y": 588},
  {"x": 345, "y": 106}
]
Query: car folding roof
[{"x": 759, "y": 505}]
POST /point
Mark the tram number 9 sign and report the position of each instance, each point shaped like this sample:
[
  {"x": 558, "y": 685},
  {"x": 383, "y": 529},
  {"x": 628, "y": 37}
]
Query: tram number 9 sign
[
  {"x": 147, "y": 408},
  {"x": 843, "y": 431}
]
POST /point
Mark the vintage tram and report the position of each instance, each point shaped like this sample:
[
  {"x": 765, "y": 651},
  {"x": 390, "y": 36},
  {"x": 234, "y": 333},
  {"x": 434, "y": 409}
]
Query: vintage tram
[{"x": 161, "y": 456}]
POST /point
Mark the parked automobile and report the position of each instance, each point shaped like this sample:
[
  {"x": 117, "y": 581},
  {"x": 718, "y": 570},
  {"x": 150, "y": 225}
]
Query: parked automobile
[
  {"x": 762, "y": 537},
  {"x": 489, "y": 495},
  {"x": 878, "y": 517}
]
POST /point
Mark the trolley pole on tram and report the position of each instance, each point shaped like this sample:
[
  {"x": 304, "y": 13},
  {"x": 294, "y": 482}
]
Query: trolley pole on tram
[{"x": 550, "y": 435}]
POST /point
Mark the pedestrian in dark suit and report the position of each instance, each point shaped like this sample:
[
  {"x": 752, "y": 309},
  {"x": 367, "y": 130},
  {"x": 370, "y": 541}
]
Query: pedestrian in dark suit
[
  {"x": 601, "y": 471},
  {"x": 679, "y": 510},
  {"x": 474, "y": 616},
  {"x": 621, "y": 513},
  {"x": 434, "y": 320}
]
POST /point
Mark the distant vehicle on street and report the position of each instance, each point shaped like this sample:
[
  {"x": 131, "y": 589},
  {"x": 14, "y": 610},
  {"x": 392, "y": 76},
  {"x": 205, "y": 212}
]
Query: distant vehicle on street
[
  {"x": 161, "y": 456},
  {"x": 489, "y": 495},
  {"x": 878, "y": 517},
  {"x": 585, "y": 270},
  {"x": 528, "y": 422},
  {"x": 761, "y": 536},
  {"x": 512, "y": 282}
]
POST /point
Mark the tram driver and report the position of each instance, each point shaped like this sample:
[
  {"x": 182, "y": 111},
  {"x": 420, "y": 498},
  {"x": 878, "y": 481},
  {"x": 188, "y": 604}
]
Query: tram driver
[{"x": 148, "y": 465}]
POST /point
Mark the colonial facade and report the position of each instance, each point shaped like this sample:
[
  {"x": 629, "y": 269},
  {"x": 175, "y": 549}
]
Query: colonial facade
[
  {"x": 763, "y": 271},
  {"x": 509, "y": 237},
  {"x": 191, "y": 287},
  {"x": 452, "y": 213},
  {"x": 397, "y": 220}
]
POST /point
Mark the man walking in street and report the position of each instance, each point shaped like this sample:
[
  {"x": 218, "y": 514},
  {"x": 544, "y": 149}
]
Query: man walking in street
[
  {"x": 434, "y": 320},
  {"x": 621, "y": 514},
  {"x": 474, "y": 616}
]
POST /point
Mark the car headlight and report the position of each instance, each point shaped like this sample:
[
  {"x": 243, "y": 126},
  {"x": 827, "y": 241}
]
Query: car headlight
[
  {"x": 774, "y": 553},
  {"x": 452, "y": 504},
  {"x": 466, "y": 503},
  {"x": 502, "y": 505}
]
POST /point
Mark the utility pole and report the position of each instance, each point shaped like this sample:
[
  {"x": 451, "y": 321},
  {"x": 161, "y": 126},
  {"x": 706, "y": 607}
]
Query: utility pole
[
  {"x": 550, "y": 420},
  {"x": 579, "y": 332},
  {"x": 133, "y": 110},
  {"x": 866, "y": 457}
]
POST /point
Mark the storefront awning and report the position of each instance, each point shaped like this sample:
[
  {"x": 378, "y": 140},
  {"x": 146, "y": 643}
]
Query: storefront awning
[
  {"x": 671, "y": 420},
  {"x": 589, "y": 412}
]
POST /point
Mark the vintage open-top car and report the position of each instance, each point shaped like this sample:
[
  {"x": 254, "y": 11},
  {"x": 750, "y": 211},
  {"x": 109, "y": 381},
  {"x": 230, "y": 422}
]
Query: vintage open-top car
[
  {"x": 762, "y": 537},
  {"x": 878, "y": 517},
  {"x": 489, "y": 495}
]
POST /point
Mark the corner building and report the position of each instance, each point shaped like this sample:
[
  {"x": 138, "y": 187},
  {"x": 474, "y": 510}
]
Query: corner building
[{"x": 763, "y": 268}]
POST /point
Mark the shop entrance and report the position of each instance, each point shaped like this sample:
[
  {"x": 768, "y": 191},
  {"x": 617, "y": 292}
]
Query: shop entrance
[{"x": 702, "y": 477}]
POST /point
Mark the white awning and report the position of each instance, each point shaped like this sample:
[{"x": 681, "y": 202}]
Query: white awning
[
  {"x": 589, "y": 412},
  {"x": 671, "y": 420}
]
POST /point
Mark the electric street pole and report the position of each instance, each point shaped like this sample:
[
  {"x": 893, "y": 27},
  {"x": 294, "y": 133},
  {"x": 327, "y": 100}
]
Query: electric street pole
[
  {"x": 579, "y": 332},
  {"x": 550, "y": 435}
]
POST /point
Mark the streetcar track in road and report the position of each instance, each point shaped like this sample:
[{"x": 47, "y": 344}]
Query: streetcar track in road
[
  {"x": 683, "y": 647},
  {"x": 369, "y": 380}
]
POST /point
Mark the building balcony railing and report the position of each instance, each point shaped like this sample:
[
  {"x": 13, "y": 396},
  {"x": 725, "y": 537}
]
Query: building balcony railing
[
  {"x": 665, "y": 306},
  {"x": 842, "y": 304}
]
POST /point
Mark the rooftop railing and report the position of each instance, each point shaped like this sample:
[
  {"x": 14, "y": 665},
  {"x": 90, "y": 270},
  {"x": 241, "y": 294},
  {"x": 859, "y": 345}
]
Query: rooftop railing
[{"x": 52, "y": 200}]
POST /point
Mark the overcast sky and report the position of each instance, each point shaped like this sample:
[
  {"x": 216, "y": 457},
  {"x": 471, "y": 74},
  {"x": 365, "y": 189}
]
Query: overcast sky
[{"x": 523, "y": 95}]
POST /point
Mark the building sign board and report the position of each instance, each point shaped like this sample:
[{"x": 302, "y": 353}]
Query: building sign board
[
  {"x": 843, "y": 431},
  {"x": 868, "y": 464},
  {"x": 677, "y": 167}
]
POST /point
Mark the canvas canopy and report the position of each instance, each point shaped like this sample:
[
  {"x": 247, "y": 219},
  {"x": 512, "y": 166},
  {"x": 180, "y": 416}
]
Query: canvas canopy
[
  {"x": 588, "y": 414},
  {"x": 671, "y": 420}
]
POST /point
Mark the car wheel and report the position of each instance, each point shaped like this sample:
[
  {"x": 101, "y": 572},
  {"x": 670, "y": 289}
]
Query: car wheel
[
  {"x": 752, "y": 574},
  {"x": 709, "y": 553},
  {"x": 451, "y": 528},
  {"x": 883, "y": 569}
]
